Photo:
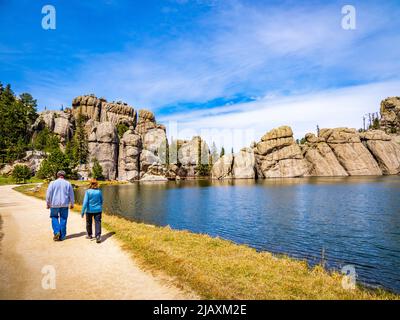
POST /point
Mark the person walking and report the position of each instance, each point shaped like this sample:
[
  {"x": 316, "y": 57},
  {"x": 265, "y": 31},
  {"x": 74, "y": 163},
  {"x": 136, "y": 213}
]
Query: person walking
[
  {"x": 59, "y": 195},
  {"x": 93, "y": 207}
]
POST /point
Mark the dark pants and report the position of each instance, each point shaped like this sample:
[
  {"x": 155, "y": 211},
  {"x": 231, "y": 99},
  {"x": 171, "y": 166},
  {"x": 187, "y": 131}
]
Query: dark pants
[{"x": 97, "y": 222}]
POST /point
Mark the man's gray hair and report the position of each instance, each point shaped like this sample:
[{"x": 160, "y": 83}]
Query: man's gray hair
[{"x": 60, "y": 173}]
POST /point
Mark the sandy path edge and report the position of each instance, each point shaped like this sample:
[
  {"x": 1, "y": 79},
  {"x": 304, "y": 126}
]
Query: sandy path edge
[{"x": 83, "y": 269}]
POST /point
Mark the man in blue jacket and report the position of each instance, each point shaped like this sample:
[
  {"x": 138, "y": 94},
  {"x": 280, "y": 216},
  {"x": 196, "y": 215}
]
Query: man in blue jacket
[{"x": 59, "y": 195}]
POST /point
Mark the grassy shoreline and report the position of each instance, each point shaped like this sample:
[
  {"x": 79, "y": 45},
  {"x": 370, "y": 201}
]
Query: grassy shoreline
[{"x": 219, "y": 269}]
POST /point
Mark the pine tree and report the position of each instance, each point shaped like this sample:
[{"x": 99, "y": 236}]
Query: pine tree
[
  {"x": 21, "y": 173},
  {"x": 97, "y": 170},
  {"x": 80, "y": 141},
  {"x": 55, "y": 162},
  {"x": 16, "y": 118}
]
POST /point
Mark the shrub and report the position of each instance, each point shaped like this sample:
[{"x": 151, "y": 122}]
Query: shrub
[{"x": 21, "y": 173}]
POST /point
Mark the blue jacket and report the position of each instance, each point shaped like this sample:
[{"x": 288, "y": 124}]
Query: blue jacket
[
  {"x": 59, "y": 194},
  {"x": 93, "y": 201}
]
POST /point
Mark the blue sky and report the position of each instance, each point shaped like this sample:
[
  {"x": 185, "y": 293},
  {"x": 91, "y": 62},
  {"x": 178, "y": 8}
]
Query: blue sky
[{"x": 209, "y": 64}]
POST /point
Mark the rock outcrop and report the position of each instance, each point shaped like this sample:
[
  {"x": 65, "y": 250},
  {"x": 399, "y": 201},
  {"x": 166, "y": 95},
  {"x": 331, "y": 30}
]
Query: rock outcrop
[
  {"x": 244, "y": 164},
  {"x": 58, "y": 122},
  {"x": 321, "y": 157},
  {"x": 192, "y": 152},
  {"x": 222, "y": 168},
  {"x": 130, "y": 148},
  {"x": 350, "y": 152},
  {"x": 278, "y": 155},
  {"x": 146, "y": 122},
  {"x": 143, "y": 152},
  {"x": 103, "y": 145},
  {"x": 118, "y": 113},
  {"x": 32, "y": 159},
  {"x": 390, "y": 115},
  {"x": 99, "y": 110},
  {"x": 153, "y": 157},
  {"x": 89, "y": 106},
  {"x": 385, "y": 151}
]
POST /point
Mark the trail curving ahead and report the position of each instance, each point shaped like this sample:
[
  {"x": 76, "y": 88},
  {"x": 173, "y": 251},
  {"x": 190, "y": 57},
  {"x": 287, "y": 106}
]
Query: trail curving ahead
[{"x": 84, "y": 269}]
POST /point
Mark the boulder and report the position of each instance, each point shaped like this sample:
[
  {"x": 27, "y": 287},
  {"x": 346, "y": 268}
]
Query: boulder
[
  {"x": 146, "y": 122},
  {"x": 153, "y": 178},
  {"x": 281, "y": 132},
  {"x": 222, "y": 168},
  {"x": 277, "y": 155},
  {"x": 265, "y": 147},
  {"x": 103, "y": 145}
]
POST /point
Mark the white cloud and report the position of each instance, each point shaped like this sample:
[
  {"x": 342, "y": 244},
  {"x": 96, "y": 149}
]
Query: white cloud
[
  {"x": 250, "y": 50},
  {"x": 247, "y": 122}
]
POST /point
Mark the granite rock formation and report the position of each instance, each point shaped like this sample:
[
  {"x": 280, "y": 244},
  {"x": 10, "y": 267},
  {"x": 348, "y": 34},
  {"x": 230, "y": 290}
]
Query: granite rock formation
[
  {"x": 385, "y": 151},
  {"x": 390, "y": 115},
  {"x": 143, "y": 152},
  {"x": 350, "y": 152},
  {"x": 130, "y": 147},
  {"x": 103, "y": 145},
  {"x": 278, "y": 156}
]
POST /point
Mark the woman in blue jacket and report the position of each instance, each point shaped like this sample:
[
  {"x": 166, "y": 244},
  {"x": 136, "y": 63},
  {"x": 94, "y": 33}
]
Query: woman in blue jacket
[{"x": 93, "y": 207}]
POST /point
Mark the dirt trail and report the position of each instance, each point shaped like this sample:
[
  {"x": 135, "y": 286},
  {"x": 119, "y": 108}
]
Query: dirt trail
[{"x": 84, "y": 269}]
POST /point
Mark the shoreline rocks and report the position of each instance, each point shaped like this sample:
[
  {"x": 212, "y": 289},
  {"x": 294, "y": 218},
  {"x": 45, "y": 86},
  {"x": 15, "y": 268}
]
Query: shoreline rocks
[{"x": 144, "y": 153}]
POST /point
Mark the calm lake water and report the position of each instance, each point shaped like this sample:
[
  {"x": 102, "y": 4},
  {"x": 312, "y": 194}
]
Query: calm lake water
[{"x": 354, "y": 220}]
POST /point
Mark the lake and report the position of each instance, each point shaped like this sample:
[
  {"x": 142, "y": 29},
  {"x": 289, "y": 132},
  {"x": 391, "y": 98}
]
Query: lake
[{"x": 351, "y": 220}]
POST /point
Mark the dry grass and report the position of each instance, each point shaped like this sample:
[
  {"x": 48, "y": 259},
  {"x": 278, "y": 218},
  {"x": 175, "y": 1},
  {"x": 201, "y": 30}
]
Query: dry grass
[{"x": 219, "y": 269}]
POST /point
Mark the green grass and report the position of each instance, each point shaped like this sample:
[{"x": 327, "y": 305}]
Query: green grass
[
  {"x": 218, "y": 269},
  {"x": 10, "y": 180}
]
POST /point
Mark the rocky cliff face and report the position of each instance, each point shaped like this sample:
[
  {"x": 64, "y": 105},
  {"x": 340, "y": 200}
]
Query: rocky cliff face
[
  {"x": 103, "y": 145},
  {"x": 321, "y": 158},
  {"x": 130, "y": 148},
  {"x": 99, "y": 110},
  {"x": 350, "y": 152},
  {"x": 141, "y": 152},
  {"x": 385, "y": 151}
]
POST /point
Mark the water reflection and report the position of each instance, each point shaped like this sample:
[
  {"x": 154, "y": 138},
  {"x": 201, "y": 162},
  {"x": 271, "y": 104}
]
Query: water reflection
[{"x": 355, "y": 220}]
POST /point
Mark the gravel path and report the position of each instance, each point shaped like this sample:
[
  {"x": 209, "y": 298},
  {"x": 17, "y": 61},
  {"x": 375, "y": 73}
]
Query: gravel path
[{"x": 83, "y": 269}]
